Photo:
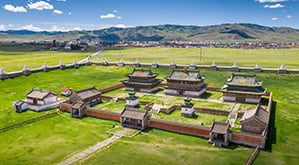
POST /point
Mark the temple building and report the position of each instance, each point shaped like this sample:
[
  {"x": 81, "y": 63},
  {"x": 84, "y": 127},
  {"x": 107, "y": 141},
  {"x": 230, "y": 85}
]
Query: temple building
[
  {"x": 83, "y": 98},
  {"x": 141, "y": 80},
  {"x": 134, "y": 118},
  {"x": 185, "y": 83},
  {"x": 219, "y": 133},
  {"x": 243, "y": 88},
  {"x": 255, "y": 120}
]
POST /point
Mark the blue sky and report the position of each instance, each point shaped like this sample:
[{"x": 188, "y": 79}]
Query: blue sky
[{"x": 62, "y": 15}]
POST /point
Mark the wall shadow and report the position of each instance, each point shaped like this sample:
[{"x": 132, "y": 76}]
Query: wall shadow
[{"x": 272, "y": 132}]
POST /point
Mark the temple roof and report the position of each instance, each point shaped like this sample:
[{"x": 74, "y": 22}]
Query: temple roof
[
  {"x": 244, "y": 90},
  {"x": 133, "y": 113},
  {"x": 39, "y": 93},
  {"x": 142, "y": 73},
  {"x": 156, "y": 81},
  {"x": 246, "y": 84},
  {"x": 89, "y": 92},
  {"x": 258, "y": 113},
  {"x": 187, "y": 75},
  {"x": 220, "y": 127},
  {"x": 243, "y": 80}
]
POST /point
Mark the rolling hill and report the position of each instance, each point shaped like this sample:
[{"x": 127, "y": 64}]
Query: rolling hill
[{"x": 224, "y": 32}]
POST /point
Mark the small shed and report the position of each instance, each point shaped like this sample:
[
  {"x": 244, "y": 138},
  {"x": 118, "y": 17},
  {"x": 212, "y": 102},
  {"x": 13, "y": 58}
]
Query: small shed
[
  {"x": 66, "y": 91},
  {"x": 219, "y": 133},
  {"x": 41, "y": 97},
  {"x": 20, "y": 106},
  {"x": 255, "y": 120},
  {"x": 134, "y": 118}
]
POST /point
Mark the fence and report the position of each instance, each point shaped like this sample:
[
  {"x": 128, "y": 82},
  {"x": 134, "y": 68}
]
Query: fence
[
  {"x": 27, "y": 121},
  {"x": 118, "y": 86},
  {"x": 252, "y": 156},
  {"x": 45, "y": 68},
  {"x": 103, "y": 114},
  {"x": 189, "y": 129}
]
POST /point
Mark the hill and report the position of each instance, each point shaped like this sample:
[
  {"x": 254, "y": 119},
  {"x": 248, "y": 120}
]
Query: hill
[{"x": 224, "y": 32}]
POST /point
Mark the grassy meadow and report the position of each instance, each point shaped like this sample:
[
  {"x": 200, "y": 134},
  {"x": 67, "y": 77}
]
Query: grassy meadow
[
  {"x": 15, "y": 61},
  {"x": 54, "y": 139},
  {"x": 266, "y": 58}
]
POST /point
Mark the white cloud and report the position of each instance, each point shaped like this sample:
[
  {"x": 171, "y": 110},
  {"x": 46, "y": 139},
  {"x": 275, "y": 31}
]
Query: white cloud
[
  {"x": 41, "y": 5},
  {"x": 289, "y": 16},
  {"x": 120, "y": 26},
  {"x": 274, "y": 19},
  {"x": 57, "y": 12},
  {"x": 70, "y": 13},
  {"x": 31, "y": 27},
  {"x": 119, "y": 17},
  {"x": 272, "y": 1},
  {"x": 61, "y": 0},
  {"x": 2, "y": 27},
  {"x": 115, "y": 11},
  {"x": 274, "y": 6},
  {"x": 15, "y": 9},
  {"x": 77, "y": 28},
  {"x": 108, "y": 16}
]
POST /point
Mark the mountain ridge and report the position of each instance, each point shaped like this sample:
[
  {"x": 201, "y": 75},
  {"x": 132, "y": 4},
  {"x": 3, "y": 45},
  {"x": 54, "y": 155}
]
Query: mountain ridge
[{"x": 224, "y": 32}]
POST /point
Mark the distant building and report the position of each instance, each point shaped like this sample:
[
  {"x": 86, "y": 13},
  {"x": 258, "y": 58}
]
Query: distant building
[
  {"x": 185, "y": 83},
  {"x": 66, "y": 91},
  {"x": 141, "y": 80},
  {"x": 38, "y": 100},
  {"x": 40, "y": 97},
  {"x": 243, "y": 88},
  {"x": 20, "y": 106},
  {"x": 255, "y": 120}
]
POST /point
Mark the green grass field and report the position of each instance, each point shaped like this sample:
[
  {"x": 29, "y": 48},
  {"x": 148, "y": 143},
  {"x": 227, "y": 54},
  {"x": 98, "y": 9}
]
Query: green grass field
[
  {"x": 15, "y": 61},
  {"x": 54, "y": 139},
  {"x": 266, "y": 58}
]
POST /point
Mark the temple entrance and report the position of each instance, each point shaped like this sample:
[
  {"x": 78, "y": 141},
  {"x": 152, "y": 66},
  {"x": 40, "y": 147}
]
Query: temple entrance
[
  {"x": 219, "y": 134},
  {"x": 34, "y": 101},
  {"x": 181, "y": 92},
  {"x": 220, "y": 137},
  {"x": 240, "y": 99}
]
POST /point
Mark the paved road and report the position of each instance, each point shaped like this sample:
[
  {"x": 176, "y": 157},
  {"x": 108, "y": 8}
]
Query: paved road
[
  {"x": 79, "y": 156},
  {"x": 90, "y": 56}
]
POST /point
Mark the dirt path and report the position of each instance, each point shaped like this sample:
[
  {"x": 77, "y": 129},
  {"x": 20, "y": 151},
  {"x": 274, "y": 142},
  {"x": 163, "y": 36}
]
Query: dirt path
[{"x": 79, "y": 156}]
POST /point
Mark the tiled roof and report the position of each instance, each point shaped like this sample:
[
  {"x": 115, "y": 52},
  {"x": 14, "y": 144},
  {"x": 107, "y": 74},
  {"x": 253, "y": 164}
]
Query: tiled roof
[
  {"x": 258, "y": 112},
  {"x": 220, "y": 127},
  {"x": 133, "y": 113},
  {"x": 185, "y": 75},
  {"x": 87, "y": 93},
  {"x": 246, "y": 90},
  {"x": 78, "y": 105},
  {"x": 142, "y": 73},
  {"x": 39, "y": 93},
  {"x": 243, "y": 80}
]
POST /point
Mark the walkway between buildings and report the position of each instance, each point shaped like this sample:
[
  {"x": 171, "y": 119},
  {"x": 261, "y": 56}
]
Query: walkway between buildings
[
  {"x": 79, "y": 156},
  {"x": 232, "y": 117}
]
